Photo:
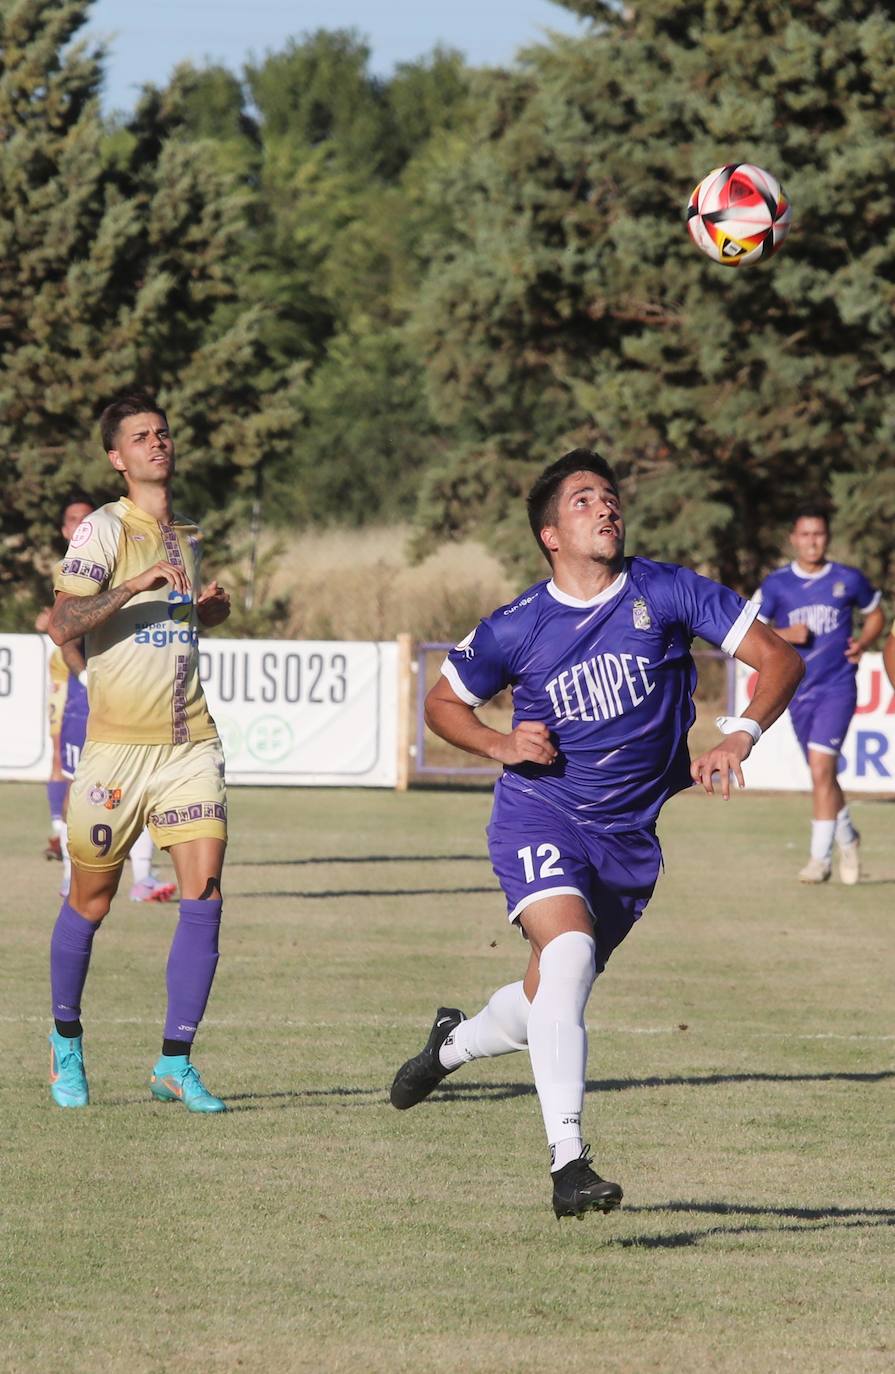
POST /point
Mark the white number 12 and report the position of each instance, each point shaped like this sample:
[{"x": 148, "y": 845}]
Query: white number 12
[{"x": 549, "y": 853}]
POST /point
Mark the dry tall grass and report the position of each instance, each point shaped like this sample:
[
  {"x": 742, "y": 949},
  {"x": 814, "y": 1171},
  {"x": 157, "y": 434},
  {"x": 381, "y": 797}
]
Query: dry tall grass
[{"x": 359, "y": 584}]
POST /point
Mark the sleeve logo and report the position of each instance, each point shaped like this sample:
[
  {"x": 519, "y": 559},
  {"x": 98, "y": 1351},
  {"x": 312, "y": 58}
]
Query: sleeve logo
[
  {"x": 465, "y": 645},
  {"x": 81, "y": 534}
]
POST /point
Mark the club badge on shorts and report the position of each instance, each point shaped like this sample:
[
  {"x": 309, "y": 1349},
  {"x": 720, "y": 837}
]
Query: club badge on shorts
[{"x": 641, "y": 615}]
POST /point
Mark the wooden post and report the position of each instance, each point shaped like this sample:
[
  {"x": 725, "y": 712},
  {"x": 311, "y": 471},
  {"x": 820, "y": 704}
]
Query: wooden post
[{"x": 405, "y": 684}]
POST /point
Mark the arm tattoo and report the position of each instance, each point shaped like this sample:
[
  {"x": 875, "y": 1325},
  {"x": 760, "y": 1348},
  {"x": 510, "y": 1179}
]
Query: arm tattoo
[{"x": 78, "y": 615}]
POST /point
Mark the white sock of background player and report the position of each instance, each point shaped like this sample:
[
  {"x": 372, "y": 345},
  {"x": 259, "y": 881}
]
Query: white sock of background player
[{"x": 141, "y": 857}]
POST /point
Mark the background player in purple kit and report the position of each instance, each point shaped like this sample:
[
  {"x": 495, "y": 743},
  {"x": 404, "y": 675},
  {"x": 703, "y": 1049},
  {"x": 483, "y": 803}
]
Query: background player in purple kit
[
  {"x": 598, "y": 658},
  {"x": 810, "y": 603}
]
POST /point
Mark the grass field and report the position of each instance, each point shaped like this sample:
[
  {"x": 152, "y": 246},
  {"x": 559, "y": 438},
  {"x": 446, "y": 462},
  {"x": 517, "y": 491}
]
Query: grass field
[{"x": 741, "y": 1090}]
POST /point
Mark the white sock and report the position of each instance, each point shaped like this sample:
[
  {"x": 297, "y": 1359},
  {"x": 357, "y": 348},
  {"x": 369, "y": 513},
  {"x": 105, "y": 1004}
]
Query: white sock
[
  {"x": 59, "y": 827},
  {"x": 845, "y": 830},
  {"x": 499, "y": 1028},
  {"x": 141, "y": 856},
  {"x": 557, "y": 1039},
  {"x": 822, "y": 839}
]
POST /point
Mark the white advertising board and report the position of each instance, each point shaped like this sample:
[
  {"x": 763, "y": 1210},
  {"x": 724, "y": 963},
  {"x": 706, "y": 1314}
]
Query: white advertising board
[
  {"x": 868, "y": 755},
  {"x": 302, "y": 712},
  {"x": 25, "y": 750},
  {"x": 290, "y": 713}
]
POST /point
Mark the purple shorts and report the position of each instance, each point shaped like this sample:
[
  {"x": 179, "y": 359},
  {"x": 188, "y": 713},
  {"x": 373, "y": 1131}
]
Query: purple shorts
[
  {"x": 538, "y": 851},
  {"x": 74, "y": 727},
  {"x": 821, "y": 721}
]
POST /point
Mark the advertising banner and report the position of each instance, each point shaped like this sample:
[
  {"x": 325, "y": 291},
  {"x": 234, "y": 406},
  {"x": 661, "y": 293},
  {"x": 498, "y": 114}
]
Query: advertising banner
[
  {"x": 868, "y": 755},
  {"x": 290, "y": 713}
]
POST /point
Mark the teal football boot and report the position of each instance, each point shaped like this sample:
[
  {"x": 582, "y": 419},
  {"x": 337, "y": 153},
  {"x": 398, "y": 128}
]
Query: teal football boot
[
  {"x": 68, "y": 1081},
  {"x": 175, "y": 1079}
]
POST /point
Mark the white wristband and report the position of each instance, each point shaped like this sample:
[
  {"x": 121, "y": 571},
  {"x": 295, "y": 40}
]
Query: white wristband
[{"x": 729, "y": 725}]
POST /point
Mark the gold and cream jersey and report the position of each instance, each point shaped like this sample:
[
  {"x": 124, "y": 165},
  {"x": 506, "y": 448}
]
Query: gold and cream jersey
[
  {"x": 58, "y": 668},
  {"x": 143, "y": 662}
]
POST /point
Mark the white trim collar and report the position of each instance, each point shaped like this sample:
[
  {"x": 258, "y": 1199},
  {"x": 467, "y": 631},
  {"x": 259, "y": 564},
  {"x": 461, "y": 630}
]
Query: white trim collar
[
  {"x": 807, "y": 576},
  {"x": 605, "y": 595}
]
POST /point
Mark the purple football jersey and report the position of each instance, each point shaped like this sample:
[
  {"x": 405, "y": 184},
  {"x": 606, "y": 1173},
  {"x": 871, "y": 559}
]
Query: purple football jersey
[
  {"x": 824, "y": 602},
  {"x": 612, "y": 678}
]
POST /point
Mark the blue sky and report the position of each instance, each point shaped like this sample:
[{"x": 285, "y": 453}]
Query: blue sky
[{"x": 147, "y": 38}]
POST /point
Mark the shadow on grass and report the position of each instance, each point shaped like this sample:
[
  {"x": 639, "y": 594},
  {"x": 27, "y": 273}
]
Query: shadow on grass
[
  {"x": 481, "y": 857},
  {"x": 500, "y": 1092},
  {"x": 369, "y": 892},
  {"x": 793, "y": 1219},
  {"x": 497, "y": 1092}
]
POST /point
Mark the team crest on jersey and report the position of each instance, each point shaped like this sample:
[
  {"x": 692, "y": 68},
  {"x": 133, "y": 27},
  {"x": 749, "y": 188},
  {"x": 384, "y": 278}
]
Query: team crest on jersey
[
  {"x": 81, "y": 534},
  {"x": 109, "y": 797},
  {"x": 839, "y": 589},
  {"x": 642, "y": 619}
]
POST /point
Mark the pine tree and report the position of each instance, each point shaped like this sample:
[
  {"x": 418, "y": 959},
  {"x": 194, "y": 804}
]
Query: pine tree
[
  {"x": 117, "y": 269},
  {"x": 566, "y": 305}
]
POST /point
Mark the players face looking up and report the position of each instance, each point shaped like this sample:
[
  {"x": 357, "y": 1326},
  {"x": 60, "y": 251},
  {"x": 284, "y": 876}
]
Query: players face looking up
[{"x": 575, "y": 515}]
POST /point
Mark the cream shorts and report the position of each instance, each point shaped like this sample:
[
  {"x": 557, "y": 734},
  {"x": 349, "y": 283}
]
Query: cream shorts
[{"x": 177, "y": 790}]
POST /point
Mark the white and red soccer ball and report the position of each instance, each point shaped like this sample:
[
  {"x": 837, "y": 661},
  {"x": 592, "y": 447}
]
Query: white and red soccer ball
[{"x": 738, "y": 214}]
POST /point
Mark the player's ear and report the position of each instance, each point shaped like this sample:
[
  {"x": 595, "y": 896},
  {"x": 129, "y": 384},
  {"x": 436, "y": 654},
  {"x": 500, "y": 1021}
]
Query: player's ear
[
  {"x": 549, "y": 539},
  {"x": 116, "y": 459}
]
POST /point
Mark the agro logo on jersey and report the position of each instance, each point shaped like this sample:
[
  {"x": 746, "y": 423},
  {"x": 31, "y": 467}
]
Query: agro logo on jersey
[{"x": 642, "y": 619}]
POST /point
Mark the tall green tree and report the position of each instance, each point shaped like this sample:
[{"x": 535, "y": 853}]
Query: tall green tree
[
  {"x": 117, "y": 269},
  {"x": 333, "y": 163},
  {"x": 566, "y": 305}
]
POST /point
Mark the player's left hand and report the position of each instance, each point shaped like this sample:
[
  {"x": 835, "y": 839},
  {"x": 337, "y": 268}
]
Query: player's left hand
[
  {"x": 854, "y": 650},
  {"x": 213, "y": 605},
  {"x": 726, "y": 758}
]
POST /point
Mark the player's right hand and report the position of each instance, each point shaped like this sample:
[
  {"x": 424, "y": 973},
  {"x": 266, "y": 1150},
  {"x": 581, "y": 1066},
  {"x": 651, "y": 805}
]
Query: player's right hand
[
  {"x": 530, "y": 742},
  {"x": 160, "y": 575}
]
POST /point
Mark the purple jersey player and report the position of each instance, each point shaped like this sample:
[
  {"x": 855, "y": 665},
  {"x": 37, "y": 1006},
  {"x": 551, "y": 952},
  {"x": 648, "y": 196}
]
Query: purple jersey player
[
  {"x": 810, "y": 603},
  {"x": 598, "y": 659}
]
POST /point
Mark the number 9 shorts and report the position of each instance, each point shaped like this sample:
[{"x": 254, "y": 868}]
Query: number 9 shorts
[
  {"x": 538, "y": 851},
  {"x": 177, "y": 790}
]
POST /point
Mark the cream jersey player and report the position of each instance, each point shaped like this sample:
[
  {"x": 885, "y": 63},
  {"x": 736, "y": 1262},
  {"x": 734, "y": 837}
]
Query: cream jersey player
[
  {"x": 143, "y": 663},
  {"x": 144, "y": 690},
  {"x": 129, "y": 588}
]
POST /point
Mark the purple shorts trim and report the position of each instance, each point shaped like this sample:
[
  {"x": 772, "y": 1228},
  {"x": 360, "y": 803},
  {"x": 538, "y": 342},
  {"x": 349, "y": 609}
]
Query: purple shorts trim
[
  {"x": 822, "y": 721},
  {"x": 537, "y": 850}
]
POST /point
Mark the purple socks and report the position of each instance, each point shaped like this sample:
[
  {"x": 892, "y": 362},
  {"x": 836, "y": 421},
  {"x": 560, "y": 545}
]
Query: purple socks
[
  {"x": 70, "y": 947},
  {"x": 191, "y": 965},
  {"x": 56, "y": 797}
]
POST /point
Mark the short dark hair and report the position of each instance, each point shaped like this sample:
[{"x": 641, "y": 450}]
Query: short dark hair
[
  {"x": 76, "y": 497},
  {"x": 131, "y": 403},
  {"x": 811, "y": 510},
  {"x": 542, "y": 497}
]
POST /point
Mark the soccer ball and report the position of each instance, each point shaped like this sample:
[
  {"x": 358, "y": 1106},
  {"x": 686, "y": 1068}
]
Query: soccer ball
[{"x": 738, "y": 214}]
